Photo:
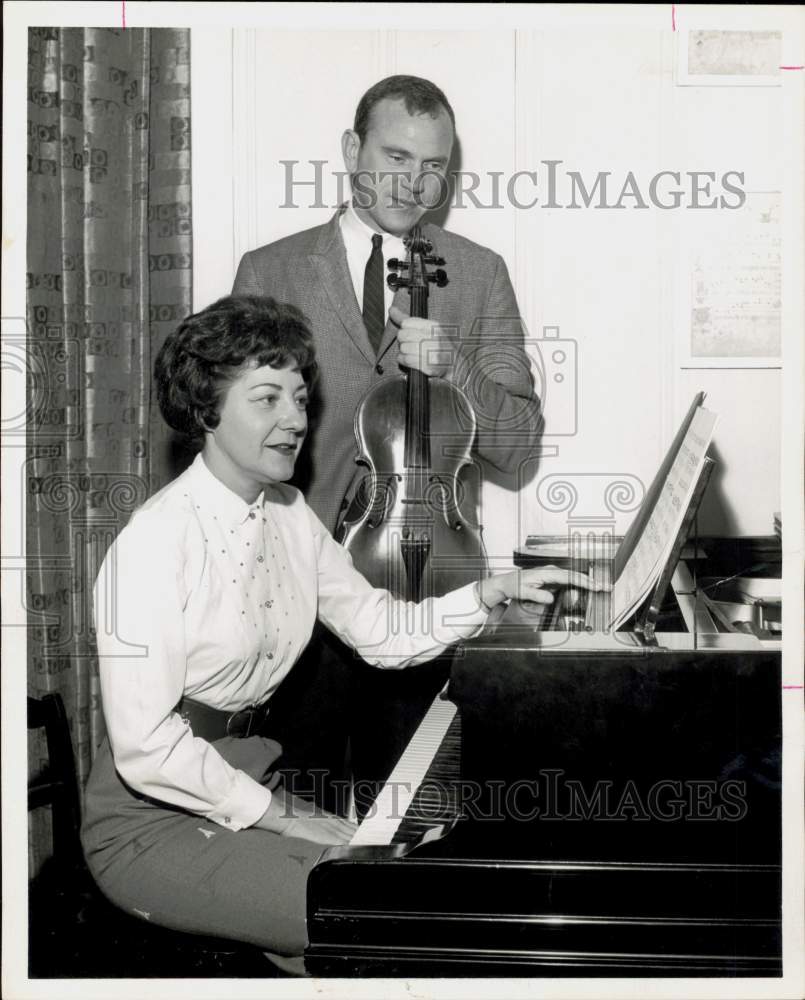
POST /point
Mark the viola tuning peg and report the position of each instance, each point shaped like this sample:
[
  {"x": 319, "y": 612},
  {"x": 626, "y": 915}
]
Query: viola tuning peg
[
  {"x": 394, "y": 282},
  {"x": 441, "y": 278},
  {"x": 438, "y": 261},
  {"x": 396, "y": 265}
]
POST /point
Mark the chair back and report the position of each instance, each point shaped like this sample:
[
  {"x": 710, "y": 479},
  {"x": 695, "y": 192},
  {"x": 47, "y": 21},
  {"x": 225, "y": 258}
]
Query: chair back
[{"x": 57, "y": 784}]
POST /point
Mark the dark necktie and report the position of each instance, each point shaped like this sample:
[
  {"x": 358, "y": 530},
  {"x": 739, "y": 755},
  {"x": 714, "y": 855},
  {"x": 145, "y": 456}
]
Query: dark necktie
[{"x": 374, "y": 301}]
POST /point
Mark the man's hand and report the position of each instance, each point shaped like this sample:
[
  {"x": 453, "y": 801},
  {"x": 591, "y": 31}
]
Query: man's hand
[
  {"x": 424, "y": 344},
  {"x": 531, "y": 585}
]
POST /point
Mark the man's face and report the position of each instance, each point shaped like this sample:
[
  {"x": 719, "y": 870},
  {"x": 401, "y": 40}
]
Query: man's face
[{"x": 399, "y": 171}]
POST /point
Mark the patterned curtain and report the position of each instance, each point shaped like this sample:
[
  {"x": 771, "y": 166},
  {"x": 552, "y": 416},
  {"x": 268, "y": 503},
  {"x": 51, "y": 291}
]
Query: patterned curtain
[{"x": 109, "y": 275}]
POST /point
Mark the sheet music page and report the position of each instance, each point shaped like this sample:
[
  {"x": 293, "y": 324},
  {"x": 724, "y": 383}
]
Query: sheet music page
[{"x": 650, "y": 554}]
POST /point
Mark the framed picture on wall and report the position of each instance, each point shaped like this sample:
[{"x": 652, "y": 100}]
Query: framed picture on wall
[
  {"x": 729, "y": 287},
  {"x": 710, "y": 57}
]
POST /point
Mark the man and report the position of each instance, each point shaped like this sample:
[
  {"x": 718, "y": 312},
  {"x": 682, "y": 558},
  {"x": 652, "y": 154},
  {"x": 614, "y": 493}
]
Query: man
[{"x": 397, "y": 155}]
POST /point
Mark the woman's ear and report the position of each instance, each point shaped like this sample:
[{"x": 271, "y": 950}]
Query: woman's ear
[{"x": 201, "y": 423}]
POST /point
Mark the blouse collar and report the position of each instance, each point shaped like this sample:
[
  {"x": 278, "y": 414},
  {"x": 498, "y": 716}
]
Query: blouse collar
[{"x": 217, "y": 498}]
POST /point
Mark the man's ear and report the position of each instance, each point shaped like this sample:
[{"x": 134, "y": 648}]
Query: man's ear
[{"x": 350, "y": 147}]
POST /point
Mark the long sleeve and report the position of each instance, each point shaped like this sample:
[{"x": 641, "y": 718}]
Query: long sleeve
[
  {"x": 491, "y": 366},
  {"x": 385, "y": 631},
  {"x": 140, "y": 600},
  {"x": 494, "y": 370}
]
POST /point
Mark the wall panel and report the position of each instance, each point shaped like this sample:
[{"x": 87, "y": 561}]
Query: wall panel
[{"x": 601, "y": 99}]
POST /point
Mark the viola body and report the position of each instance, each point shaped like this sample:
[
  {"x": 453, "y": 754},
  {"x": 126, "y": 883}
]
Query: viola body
[{"x": 413, "y": 526}]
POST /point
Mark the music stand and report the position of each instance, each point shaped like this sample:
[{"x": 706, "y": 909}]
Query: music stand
[{"x": 645, "y": 618}]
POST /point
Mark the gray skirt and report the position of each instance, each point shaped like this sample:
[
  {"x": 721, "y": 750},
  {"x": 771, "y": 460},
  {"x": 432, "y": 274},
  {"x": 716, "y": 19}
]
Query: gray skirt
[{"x": 178, "y": 870}]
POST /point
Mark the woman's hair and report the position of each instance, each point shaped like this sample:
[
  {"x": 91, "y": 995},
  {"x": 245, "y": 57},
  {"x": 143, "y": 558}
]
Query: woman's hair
[{"x": 209, "y": 350}]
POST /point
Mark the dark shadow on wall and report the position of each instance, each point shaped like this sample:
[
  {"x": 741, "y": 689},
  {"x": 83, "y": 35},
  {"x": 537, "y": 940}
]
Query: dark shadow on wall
[{"x": 717, "y": 512}]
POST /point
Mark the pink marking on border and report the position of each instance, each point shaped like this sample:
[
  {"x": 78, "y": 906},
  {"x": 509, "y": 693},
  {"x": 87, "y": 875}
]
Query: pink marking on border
[
  {"x": 791, "y": 67},
  {"x": 123, "y": 5},
  {"x": 793, "y": 687},
  {"x": 673, "y": 17}
]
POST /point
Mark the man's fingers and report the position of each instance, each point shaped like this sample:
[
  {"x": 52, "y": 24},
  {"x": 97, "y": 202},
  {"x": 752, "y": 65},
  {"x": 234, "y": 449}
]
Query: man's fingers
[
  {"x": 396, "y": 316},
  {"x": 415, "y": 327}
]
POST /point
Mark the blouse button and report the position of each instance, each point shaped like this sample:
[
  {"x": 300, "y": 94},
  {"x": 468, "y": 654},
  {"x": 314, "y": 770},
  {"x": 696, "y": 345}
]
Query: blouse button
[
  {"x": 259, "y": 558},
  {"x": 269, "y": 656},
  {"x": 252, "y": 515}
]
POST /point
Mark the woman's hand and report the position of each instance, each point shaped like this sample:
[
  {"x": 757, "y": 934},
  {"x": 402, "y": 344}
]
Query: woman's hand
[
  {"x": 291, "y": 816},
  {"x": 531, "y": 585}
]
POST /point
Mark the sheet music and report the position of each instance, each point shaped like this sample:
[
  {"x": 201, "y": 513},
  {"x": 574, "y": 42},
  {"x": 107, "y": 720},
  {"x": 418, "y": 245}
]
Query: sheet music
[{"x": 651, "y": 552}]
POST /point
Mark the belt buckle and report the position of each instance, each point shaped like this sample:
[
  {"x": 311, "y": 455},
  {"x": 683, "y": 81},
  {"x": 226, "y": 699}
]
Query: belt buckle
[{"x": 236, "y": 721}]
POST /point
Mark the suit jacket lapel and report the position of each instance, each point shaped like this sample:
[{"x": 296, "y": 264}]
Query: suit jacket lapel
[{"x": 329, "y": 261}]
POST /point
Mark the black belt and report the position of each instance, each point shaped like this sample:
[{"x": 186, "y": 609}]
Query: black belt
[{"x": 214, "y": 724}]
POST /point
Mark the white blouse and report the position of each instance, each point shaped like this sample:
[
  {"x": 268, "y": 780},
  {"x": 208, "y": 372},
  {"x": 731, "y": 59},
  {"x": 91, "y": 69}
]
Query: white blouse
[{"x": 205, "y": 596}]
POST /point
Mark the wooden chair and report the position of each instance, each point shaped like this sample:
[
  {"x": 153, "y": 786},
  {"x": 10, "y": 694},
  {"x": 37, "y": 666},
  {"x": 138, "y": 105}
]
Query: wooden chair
[
  {"x": 57, "y": 784},
  {"x": 74, "y": 931}
]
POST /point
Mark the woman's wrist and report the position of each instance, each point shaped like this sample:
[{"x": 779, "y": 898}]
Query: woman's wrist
[
  {"x": 489, "y": 593},
  {"x": 276, "y": 818}
]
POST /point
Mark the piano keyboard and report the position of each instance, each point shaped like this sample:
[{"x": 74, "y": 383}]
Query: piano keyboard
[
  {"x": 406, "y": 805},
  {"x": 436, "y": 801}
]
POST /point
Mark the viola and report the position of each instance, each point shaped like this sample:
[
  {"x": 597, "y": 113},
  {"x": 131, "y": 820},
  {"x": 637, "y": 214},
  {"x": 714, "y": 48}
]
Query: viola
[{"x": 412, "y": 526}]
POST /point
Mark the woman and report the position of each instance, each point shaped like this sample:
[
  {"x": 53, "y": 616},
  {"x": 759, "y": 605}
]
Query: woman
[{"x": 203, "y": 604}]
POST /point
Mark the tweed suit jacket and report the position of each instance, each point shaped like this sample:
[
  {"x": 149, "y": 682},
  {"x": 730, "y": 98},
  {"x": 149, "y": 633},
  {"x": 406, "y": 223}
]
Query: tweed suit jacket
[{"x": 479, "y": 308}]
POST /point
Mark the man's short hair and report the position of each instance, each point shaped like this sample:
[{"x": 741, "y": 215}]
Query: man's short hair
[
  {"x": 209, "y": 350},
  {"x": 420, "y": 96}
]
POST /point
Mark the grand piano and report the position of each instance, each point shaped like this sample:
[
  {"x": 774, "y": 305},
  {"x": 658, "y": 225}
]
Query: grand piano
[{"x": 581, "y": 802}]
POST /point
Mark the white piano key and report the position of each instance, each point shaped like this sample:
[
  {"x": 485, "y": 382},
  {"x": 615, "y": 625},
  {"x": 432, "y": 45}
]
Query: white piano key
[{"x": 398, "y": 792}]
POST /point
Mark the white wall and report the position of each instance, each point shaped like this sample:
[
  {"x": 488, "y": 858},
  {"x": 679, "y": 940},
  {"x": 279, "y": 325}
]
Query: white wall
[{"x": 601, "y": 98}]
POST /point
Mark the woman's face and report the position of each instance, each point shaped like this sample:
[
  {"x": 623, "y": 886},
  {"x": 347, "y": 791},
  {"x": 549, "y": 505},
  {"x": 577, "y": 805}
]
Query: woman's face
[{"x": 262, "y": 427}]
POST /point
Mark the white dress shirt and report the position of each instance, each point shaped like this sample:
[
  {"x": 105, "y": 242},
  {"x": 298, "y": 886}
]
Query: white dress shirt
[
  {"x": 357, "y": 238},
  {"x": 205, "y": 596}
]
